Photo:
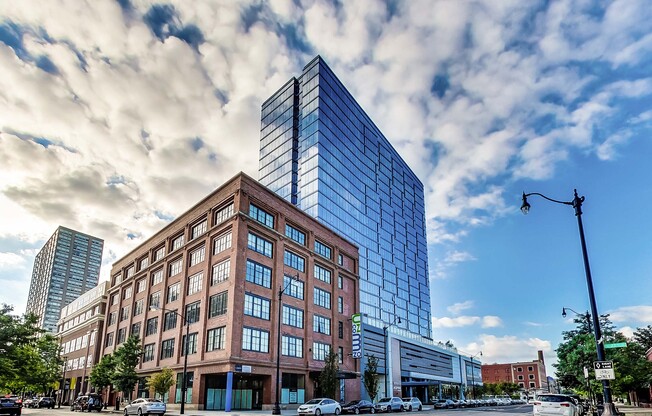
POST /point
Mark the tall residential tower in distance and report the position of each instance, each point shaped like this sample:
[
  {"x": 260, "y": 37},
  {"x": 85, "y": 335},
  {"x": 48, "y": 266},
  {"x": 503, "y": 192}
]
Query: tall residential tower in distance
[
  {"x": 320, "y": 151},
  {"x": 67, "y": 266}
]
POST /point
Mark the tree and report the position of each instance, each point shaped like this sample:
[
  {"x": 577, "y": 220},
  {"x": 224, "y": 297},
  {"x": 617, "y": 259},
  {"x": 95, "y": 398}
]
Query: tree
[
  {"x": 328, "y": 381},
  {"x": 102, "y": 373},
  {"x": 370, "y": 377},
  {"x": 161, "y": 382},
  {"x": 643, "y": 336},
  {"x": 127, "y": 358}
]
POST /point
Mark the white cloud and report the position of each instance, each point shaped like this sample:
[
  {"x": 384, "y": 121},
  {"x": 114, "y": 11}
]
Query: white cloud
[
  {"x": 640, "y": 314},
  {"x": 627, "y": 331},
  {"x": 509, "y": 348},
  {"x": 456, "y": 308},
  {"x": 11, "y": 261},
  {"x": 491, "y": 322},
  {"x": 464, "y": 321}
]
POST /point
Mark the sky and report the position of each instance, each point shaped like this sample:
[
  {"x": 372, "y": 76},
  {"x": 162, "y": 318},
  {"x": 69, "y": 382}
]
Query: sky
[{"x": 118, "y": 115}]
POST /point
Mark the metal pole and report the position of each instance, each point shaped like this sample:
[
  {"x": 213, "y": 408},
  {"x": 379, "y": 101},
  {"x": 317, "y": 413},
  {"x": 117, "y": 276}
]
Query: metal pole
[
  {"x": 63, "y": 384},
  {"x": 184, "y": 383},
  {"x": 386, "y": 362},
  {"x": 472, "y": 379},
  {"x": 609, "y": 408},
  {"x": 277, "y": 405}
]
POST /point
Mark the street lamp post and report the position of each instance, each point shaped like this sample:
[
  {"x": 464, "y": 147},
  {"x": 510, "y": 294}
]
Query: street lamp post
[
  {"x": 385, "y": 328},
  {"x": 473, "y": 374},
  {"x": 63, "y": 382},
  {"x": 184, "y": 382},
  {"x": 576, "y": 203},
  {"x": 277, "y": 405}
]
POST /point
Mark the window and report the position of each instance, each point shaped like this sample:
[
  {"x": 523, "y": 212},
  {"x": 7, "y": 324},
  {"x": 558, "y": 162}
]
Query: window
[
  {"x": 292, "y": 346},
  {"x": 195, "y": 283},
  {"x": 261, "y": 215},
  {"x": 152, "y": 326},
  {"x": 519, "y": 369},
  {"x": 340, "y": 355},
  {"x": 197, "y": 256},
  {"x": 259, "y": 274},
  {"x": 157, "y": 277},
  {"x": 192, "y": 312},
  {"x": 321, "y": 325},
  {"x": 223, "y": 214},
  {"x": 292, "y": 316},
  {"x": 340, "y": 330},
  {"x": 174, "y": 291},
  {"x": 169, "y": 320},
  {"x": 520, "y": 377},
  {"x": 113, "y": 318},
  {"x": 322, "y": 274},
  {"x": 322, "y": 298},
  {"x": 255, "y": 340},
  {"x": 531, "y": 376},
  {"x": 167, "y": 348},
  {"x": 117, "y": 279},
  {"x": 139, "y": 306},
  {"x": 521, "y": 384},
  {"x": 322, "y": 249},
  {"x": 108, "y": 341},
  {"x": 155, "y": 299},
  {"x": 340, "y": 281},
  {"x": 216, "y": 339},
  {"x": 148, "y": 353},
  {"x": 131, "y": 271},
  {"x": 319, "y": 351},
  {"x": 340, "y": 304},
  {"x": 294, "y": 287},
  {"x": 256, "y": 306},
  {"x": 259, "y": 245},
  {"x": 530, "y": 368},
  {"x": 127, "y": 292},
  {"x": 340, "y": 259},
  {"x": 221, "y": 272},
  {"x": 175, "y": 267},
  {"x": 122, "y": 335},
  {"x": 159, "y": 253},
  {"x": 177, "y": 243},
  {"x": 135, "y": 329},
  {"x": 532, "y": 385},
  {"x": 222, "y": 242},
  {"x": 294, "y": 234},
  {"x": 124, "y": 313},
  {"x": 217, "y": 304},
  {"x": 294, "y": 260},
  {"x": 144, "y": 262},
  {"x": 114, "y": 299},
  {"x": 141, "y": 285},
  {"x": 198, "y": 229},
  {"x": 191, "y": 345}
]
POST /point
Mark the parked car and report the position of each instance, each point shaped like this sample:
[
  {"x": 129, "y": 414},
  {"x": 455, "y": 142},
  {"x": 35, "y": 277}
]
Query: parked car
[
  {"x": 47, "y": 402},
  {"x": 444, "y": 404},
  {"x": 145, "y": 406},
  {"x": 30, "y": 402},
  {"x": 359, "y": 406},
  {"x": 554, "y": 404},
  {"x": 389, "y": 404},
  {"x": 87, "y": 403},
  {"x": 321, "y": 406},
  {"x": 412, "y": 403},
  {"x": 10, "y": 406}
]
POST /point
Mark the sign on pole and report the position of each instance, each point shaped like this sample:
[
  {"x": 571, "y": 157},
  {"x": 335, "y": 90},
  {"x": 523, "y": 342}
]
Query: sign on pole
[
  {"x": 604, "y": 370},
  {"x": 616, "y": 345}
]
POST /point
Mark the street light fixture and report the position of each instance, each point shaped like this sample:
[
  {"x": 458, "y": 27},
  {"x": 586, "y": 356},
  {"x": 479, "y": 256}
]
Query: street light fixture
[
  {"x": 473, "y": 374},
  {"x": 585, "y": 315},
  {"x": 397, "y": 321},
  {"x": 184, "y": 382},
  {"x": 576, "y": 203},
  {"x": 277, "y": 405}
]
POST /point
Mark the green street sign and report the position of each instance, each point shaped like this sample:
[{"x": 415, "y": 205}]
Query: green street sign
[{"x": 616, "y": 345}]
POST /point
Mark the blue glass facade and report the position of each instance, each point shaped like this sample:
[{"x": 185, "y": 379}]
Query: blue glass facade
[
  {"x": 320, "y": 151},
  {"x": 67, "y": 266}
]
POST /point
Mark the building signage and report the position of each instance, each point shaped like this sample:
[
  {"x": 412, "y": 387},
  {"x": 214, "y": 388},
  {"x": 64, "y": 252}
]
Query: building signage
[
  {"x": 239, "y": 368},
  {"x": 356, "y": 338},
  {"x": 604, "y": 370}
]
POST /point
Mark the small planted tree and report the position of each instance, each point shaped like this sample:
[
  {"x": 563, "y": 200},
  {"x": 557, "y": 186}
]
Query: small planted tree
[
  {"x": 127, "y": 358},
  {"x": 161, "y": 382},
  {"x": 328, "y": 378},
  {"x": 370, "y": 377},
  {"x": 102, "y": 373}
]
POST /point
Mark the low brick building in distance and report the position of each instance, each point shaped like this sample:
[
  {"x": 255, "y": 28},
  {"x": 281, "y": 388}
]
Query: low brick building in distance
[
  {"x": 220, "y": 267},
  {"x": 529, "y": 375}
]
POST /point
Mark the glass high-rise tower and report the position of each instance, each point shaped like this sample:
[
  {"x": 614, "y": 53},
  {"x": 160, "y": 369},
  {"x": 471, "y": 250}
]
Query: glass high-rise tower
[
  {"x": 322, "y": 152},
  {"x": 67, "y": 266}
]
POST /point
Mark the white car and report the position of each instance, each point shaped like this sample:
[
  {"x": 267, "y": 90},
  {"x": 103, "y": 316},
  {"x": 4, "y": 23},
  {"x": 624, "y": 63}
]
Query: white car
[
  {"x": 554, "y": 405},
  {"x": 145, "y": 406},
  {"x": 412, "y": 403},
  {"x": 319, "y": 407}
]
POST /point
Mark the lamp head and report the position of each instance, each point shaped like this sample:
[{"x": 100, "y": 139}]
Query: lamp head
[
  {"x": 563, "y": 312},
  {"x": 399, "y": 320},
  {"x": 525, "y": 207}
]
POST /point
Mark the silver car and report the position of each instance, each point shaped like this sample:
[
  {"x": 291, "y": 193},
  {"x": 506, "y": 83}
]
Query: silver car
[
  {"x": 320, "y": 406},
  {"x": 145, "y": 406}
]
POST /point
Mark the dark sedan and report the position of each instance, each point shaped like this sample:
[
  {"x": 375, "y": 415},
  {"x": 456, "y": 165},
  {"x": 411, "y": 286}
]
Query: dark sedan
[
  {"x": 10, "y": 406},
  {"x": 359, "y": 406}
]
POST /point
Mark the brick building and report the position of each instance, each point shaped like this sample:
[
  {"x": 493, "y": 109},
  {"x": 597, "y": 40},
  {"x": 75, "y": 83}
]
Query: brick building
[
  {"x": 219, "y": 266},
  {"x": 529, "y": 375}
]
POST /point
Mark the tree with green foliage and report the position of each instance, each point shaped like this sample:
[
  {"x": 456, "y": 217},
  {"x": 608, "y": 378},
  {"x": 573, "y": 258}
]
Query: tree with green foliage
[
  {"x": 328, "y": 381},
  {"x": 161, "y": 382},
  {"x": 370, "y": 377},
  {"x": 643, "y": 336},
  {"x": 102, "y": 373},
  {"x": 126, "y": 359}
]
